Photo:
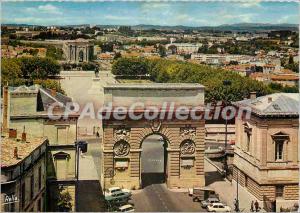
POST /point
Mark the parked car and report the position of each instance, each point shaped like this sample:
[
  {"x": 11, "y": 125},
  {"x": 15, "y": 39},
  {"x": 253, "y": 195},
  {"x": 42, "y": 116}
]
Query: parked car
[
  {"x": 118, "y": 196},
  {"x": 209, "y": 201},
  {"x": 112, "y": 190},
  {"x": 218, "y": 207},
  {"x": 126, "y": 208}
]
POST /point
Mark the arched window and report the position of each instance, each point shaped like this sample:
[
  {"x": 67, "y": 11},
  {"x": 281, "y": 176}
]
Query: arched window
[{"x": 248, "y": 136}]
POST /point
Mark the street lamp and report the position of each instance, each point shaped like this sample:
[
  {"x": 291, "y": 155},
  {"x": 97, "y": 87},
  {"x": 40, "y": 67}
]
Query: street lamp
[
  {"x": 226, "y": 83},
  {"x": 236, "y": 205},
  {"x": 80, "y": 146}
]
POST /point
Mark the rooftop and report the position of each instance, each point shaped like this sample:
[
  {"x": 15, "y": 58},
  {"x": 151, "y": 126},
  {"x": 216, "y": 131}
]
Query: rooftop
[
  {"x": 155, "y": 86},
  {"x": 8, "y": 146},
  {"x": 276, "y": 104},
  {"x": 45, "y": 98}
]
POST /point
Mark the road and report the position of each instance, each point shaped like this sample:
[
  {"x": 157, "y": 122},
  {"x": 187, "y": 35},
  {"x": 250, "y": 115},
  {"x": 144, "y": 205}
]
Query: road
[
  {"x": 155, "y": 197},
  {"x": 84, "y": 88},
  {"x": 90, "y": 192}
]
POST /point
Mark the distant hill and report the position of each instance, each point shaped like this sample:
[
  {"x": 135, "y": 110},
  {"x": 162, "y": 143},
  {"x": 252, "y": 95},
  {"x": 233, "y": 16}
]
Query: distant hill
[
  {"x": 250, "y": 27},
  {"x": 228, "y": 27}
]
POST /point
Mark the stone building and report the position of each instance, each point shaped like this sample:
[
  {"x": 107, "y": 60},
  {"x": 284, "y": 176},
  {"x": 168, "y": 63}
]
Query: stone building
[
  {"x": 77, "y": 51},
  {"x": 23, "y": 172},
  {"x": 266, "y": 153},
  {"x": 26, "y": 108},
  {"x": 122, "y": 140}
]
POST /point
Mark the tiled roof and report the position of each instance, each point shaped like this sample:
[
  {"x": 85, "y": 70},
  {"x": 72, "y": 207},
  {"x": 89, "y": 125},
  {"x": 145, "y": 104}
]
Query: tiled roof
[
  {"x": 275, "y": 77},
  {"x": 24, "y": 148},
  {"x": 276, "y": 104}
]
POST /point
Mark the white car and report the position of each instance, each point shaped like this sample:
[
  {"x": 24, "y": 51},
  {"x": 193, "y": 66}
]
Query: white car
[
  {"x": 126, "y": 208},
  {"x": 113, "y": 190},
  {"x": 218, "y": 207},
  {"x": 209, "y": 201}
]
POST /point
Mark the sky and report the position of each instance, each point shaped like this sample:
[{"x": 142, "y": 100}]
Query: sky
[{"x": 154, "y": 13}]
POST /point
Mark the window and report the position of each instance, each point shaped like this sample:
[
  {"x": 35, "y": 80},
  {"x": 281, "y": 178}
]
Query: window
[
  {"x": 280, "y": 139},
  {"x": 31, "y": 187},
  {"x": 40, "y": 178},
  {"x": 279, "y": 149},
  {"x": 248, "y": 138},
  {"x": 61, "y": 137},
  {"x": 61, "y": 164},
  {"x": 9, "y": 205},
  {"x": 279, "y": 191},
  {"x": 248, "y": 133}
]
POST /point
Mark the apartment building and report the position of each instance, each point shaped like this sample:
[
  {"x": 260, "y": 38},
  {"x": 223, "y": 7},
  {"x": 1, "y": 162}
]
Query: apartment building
[
  {"x": 185, "y": 48},
  {"x": 266, "y": 158},
  {"x": 28, "y": 108},
  {"x": 23, "y": 172},
  {"x": 217, "y": 59}
]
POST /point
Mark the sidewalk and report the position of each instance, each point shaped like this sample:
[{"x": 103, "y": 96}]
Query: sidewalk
[{"x": 227, "y": 190}]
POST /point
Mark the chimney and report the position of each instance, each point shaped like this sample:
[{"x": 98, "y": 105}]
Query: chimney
[
  {"x": 252, "y": 95},
  {"x": 16, "y": 152},
  {"x": 270, "y": 99},
  {"x": 53, "y": 92},
  {"x": 12, "y": 133},
  {"x": 24, "y": 135},
  {"x": 5, "y": 108}
]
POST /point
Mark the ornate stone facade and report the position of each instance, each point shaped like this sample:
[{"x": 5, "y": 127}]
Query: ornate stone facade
[
  {"x": 128, "y": 153},
  {"x": 266, "y": 152},
  {"x": 79, "y": 50}
]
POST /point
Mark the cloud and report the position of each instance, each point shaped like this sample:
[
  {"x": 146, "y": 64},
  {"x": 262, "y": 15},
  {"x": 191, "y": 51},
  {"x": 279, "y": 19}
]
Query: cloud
[
  {"x": 250, "y": 3},
  {"x": 154, "y": 5},
  {"x": 47, "y": 8},
  {"x": 225, "y": 18}
]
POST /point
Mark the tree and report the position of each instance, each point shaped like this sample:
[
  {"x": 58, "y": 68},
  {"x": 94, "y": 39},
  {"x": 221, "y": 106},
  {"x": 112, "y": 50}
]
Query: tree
[
  {"x": 291, "y": 59},
  {"x": 88, "y": 66},
  {"x": 117, "y": 55},
  {"x": 54, "y": 53},
  {"x": 164, "y": 71},
  {"x": 162, "y": 51},
  {"x": 50, "y": 84},
  {"x": 64, "y": 201},
  {"x": 129, "y": 67},
  {"x": 10, "y": 71},
  {"x": 38, "y": 68}
]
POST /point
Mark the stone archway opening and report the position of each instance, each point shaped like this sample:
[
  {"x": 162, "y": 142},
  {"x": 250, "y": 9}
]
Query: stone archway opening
[
  {"x": 80, "y": 57},
  {"x": 154, "y": 158}
]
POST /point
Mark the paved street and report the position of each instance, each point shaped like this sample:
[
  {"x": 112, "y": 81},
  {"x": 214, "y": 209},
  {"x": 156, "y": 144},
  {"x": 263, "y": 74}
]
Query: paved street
[
  {"x": 90, "y": 192},
  {"x": 84, "y": 89},
  {"x": 157, "y": 198},
  {"x": 226, "y": 189}
]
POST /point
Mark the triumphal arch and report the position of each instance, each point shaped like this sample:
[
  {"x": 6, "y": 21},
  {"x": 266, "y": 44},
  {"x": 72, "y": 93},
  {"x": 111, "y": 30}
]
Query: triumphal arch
[{"x": 136, "y": 118}]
